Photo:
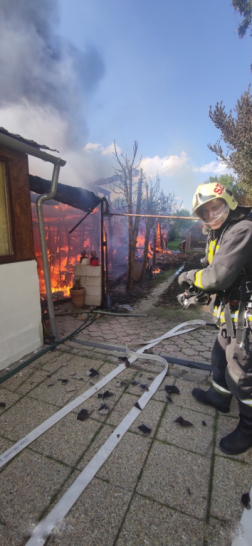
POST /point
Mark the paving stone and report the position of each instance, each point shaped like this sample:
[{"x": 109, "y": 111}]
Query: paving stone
[
  {"x": 174, "y": 371},
  {"x": 4, "y": 445},
  {"x": 142, "y": 378},
  {"x": 126, "y": 376},
  {"x": 15, "y": 380},
  {"x": 97, "y": 443},
  {"x": 199, "y": 346},
  {"x": 9, "y": 398},
  {"x": 149, "y": 523},
  {"x": 161, "y": 394},
  {"x": 196, "y": 377},
  {"x": 189, "y": 351},
  {"x": 107, "y": 367},
  {"x": 99, "y": 512},
  {"x": 53, "y": 366},
  {"x": 81, "y": 367},
  {"x": 95, "y": 334},
  {"x": 167, "y": 348},
  {"x": 67, "y": 440},
  {"x": 199, "y": 358},
  {"x": 186, "y": 399},
  {"x": 150, "y": 417},
  {"x": 55, "y": 394},
  {"x": 27, "y": 485},
  {"x": 125, "y": 462},
  {"x": 169, "y": 483},
  {"x": 47, "y": 357},
  {"x": 181, "y": 344},
  {"x": 32, "y": 381},
  {"x": 205, "y": 355},
  {"x": 194, "y": 342},
  {"x": 9, "y": 537},
  {"x": 121, "y": 409},
  {"x": 219, "y": 533},
  {"x": 93, "y": 404},
  {"x": 231, "y": 479},
  {"x": 197, "y": 438},
  {"x": 23, "y": 417}
]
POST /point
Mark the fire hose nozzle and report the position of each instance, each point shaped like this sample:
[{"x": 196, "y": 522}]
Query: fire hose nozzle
[{"x": 193, "y": 296}]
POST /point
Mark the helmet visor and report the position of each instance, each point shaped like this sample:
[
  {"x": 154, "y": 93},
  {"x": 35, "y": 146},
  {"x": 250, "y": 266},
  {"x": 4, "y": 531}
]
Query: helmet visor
[{"x": 213, "y": 213}]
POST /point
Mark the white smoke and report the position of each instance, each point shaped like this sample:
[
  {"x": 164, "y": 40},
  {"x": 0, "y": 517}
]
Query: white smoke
[{"x": 46, "y": 85}]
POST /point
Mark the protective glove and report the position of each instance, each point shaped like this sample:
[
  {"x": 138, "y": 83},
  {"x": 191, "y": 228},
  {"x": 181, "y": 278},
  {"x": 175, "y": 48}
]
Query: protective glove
[{"x": 187, "y": 277}]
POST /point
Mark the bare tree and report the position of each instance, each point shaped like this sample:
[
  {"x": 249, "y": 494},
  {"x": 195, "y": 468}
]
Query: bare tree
[
  {"x": 156, "y": 202},
  {"x": 151, "y": 207},
  {"x": 132, "y": 193}
]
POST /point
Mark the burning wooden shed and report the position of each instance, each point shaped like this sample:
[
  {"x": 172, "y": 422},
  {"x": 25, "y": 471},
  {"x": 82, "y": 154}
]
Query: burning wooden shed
[
  {"x": 27, "y": 269},
  {"x": 68, "y": 232}
]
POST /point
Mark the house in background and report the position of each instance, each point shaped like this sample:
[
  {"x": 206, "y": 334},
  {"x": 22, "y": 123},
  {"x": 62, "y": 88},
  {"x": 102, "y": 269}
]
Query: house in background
[
  {"x": 195, "y": 240},
  {"x": 20, "y": 318}
]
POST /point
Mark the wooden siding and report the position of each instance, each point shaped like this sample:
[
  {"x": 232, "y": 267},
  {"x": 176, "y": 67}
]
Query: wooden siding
[{"x": 20, "y": 205}]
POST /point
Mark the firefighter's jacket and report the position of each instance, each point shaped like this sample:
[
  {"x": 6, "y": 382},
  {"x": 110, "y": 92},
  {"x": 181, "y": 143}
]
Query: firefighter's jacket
[{"x": 229, "y": 257}]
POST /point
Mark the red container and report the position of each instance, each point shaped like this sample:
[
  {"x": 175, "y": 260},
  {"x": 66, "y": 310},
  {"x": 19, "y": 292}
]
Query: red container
[{"x": 94, "y": 262}]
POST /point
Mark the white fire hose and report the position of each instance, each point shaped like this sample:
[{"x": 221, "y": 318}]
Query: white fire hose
[{"x": 41, "y": 531}]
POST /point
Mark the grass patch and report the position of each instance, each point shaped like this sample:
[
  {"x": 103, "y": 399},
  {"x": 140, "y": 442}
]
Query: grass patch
[
  {"x": 162, "y": 276},
  {"x": 173, "y": 245}
]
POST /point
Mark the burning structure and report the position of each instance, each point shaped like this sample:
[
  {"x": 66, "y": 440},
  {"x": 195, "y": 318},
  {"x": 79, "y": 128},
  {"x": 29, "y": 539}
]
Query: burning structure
[
  {"x": 57, "y": 243},
  {"x": 67, "y": 233}
]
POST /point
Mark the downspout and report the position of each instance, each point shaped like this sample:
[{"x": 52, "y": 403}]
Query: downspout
[
  {"x": 103, "y": 245},
  {"x": 102, "y": 256},
  {"x": 39, "y": 203}
]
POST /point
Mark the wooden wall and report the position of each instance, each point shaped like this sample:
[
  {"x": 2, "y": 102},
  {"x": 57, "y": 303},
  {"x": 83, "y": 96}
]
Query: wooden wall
[{"x": 20, "y": 205}]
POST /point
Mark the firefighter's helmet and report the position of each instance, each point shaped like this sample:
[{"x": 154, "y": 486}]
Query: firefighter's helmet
[{"x": 208, "y": 192}]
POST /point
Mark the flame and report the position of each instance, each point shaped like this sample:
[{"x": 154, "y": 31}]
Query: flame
[
  {"x": 158, "y": 238},
  {"x": 63, "y": 249},
  {"x": 140, "y": 241}
]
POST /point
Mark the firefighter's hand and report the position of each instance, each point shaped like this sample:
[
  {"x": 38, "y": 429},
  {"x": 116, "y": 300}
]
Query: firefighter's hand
[
  {"x": 182, "y": 278},
  {"x": 187, "y": 277}
]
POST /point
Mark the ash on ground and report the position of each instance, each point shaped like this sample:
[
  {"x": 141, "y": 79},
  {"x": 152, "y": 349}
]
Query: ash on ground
[{"x": 142, "y": 289}]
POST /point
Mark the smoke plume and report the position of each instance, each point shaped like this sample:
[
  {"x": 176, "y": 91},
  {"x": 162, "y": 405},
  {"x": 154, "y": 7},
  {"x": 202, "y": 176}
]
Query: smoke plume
[{"x": 46, "y": 82}]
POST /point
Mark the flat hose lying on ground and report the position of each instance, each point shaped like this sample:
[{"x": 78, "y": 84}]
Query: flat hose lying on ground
[
  {"x": 48, "y": 423},
  {"x": 40, "y": 533}
]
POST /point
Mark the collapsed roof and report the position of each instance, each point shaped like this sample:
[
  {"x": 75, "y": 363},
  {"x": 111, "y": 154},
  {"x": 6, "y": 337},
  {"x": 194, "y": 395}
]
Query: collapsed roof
[{"x": 78, "y": 198}]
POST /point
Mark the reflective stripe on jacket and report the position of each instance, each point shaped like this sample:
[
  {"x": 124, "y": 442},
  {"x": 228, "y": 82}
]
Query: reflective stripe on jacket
[{"x": 229, "y": 256}]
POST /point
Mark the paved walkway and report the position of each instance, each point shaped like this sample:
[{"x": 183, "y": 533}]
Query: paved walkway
[{"x": 172, "y": 487}]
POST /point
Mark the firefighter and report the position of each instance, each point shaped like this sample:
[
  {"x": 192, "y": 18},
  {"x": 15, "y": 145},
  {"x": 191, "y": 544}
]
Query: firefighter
[{"x": 228, "y": 275}]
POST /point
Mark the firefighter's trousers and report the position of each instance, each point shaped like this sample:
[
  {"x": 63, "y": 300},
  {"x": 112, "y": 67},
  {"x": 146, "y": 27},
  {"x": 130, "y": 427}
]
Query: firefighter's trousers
[{"x": 232, "y": 366}]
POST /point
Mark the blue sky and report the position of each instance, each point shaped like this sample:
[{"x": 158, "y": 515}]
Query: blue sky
[{"x": 152, "y": 69}]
